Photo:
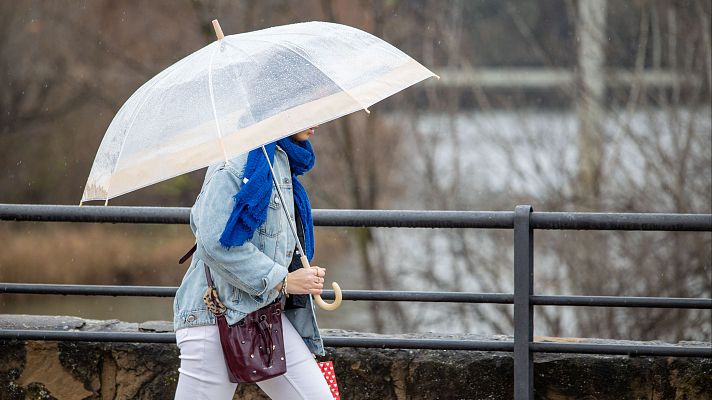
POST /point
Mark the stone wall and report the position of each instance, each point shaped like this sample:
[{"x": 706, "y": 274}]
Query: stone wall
[{"x": 83, "y": 370}]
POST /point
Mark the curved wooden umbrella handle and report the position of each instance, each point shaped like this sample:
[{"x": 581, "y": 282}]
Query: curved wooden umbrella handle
[{"x": 317, "y": 298}]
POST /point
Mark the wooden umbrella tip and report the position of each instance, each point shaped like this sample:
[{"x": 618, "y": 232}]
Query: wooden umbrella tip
[{"x": 218, "y": 30}]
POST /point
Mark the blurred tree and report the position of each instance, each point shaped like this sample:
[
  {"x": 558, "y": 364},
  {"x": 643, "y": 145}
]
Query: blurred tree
[
  {"x": 33, "y": 74},
  {"x": 653, "y": 151}
]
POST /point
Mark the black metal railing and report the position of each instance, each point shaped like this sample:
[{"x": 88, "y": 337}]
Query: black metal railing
[{"x": 523, "y": 221}]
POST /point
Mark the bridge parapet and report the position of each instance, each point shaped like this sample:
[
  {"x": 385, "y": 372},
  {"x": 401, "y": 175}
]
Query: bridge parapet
[{"x": 115, "y": 370}]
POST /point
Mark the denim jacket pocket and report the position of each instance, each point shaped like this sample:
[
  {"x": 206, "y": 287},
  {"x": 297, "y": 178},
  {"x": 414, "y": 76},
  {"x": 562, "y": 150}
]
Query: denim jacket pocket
[{"x": 272, "y": 226}]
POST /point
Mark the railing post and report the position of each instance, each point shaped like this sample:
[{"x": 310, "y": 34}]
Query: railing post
[{"x": 523, "y": 311}]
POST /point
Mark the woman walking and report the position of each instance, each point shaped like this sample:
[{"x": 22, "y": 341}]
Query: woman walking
[{"x": 243, "y": 237}]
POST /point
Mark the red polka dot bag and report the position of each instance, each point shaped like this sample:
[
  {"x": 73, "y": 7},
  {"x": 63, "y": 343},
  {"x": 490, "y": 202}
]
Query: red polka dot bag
[{"x": 327, "y": 368}]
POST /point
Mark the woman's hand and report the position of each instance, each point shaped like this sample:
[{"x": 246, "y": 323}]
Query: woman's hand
[{"x": 306, "y": 280}]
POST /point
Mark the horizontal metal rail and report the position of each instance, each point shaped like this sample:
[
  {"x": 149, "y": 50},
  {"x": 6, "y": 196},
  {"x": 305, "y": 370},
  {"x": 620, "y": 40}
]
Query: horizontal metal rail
[
  {"x": 379, "y": 295},
  {"x": 619, "y": 301},
  {"x": 170, "y": 291},
  {"x": 621, "y": 221},
  {"x": 414, "y": 219},
  {"x": 379, "y": 218},
  {"x": 433, "y": 297},
  {"x": 384, "y": 343},
  {"x": 88, "y": 290},
  {"x": 430, "y": 344},
  {"x": 113, "y": 214},
  {"x": 622, "y": 349},
  {"x": 79, "y": 336},
  {"x": 392, "y": 343}
]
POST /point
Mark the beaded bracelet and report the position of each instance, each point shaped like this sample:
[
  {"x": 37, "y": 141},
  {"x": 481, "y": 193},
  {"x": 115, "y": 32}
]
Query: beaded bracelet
[{"x": 284, "y": 286}]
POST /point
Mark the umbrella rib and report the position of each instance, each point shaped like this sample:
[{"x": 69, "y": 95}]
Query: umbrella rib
[
  {"x": 312, "y": 64},
  {"x": 212, "y": 101}
]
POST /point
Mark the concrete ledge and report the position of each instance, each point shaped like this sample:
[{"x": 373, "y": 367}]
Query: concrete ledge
[{"x": 92, "y": 370}]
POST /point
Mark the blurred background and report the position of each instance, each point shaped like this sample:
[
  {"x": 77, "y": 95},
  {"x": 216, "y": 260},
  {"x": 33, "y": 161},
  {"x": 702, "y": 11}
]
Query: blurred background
[{"x": 566, "y": 105}]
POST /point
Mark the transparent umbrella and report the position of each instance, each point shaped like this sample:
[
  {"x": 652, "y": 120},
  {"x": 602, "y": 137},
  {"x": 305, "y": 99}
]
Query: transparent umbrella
[{"x": 241, "y": 92}]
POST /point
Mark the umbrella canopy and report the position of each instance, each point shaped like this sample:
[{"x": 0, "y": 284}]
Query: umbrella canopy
[{"x": 242, "y": 92}]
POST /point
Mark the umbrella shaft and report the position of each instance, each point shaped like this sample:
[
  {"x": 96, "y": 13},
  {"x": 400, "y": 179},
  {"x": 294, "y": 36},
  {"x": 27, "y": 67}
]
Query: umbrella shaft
[{"x": 281, "y": 200}]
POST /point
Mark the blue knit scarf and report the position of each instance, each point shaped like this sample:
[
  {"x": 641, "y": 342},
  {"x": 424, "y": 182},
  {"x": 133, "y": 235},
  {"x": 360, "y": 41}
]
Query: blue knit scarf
[{"x": 252, "y": 200}]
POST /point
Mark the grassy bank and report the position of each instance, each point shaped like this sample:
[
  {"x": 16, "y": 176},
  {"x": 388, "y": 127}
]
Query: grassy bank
[{"x": 93, "y": 253}]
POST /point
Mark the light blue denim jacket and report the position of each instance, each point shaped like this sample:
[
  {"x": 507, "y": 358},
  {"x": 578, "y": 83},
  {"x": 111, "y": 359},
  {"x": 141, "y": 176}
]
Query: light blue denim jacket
[{"x": 245, "y": 276}]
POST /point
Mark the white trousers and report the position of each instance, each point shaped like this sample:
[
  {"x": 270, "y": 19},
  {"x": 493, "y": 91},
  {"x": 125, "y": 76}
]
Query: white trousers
[{"x": 203, "y": 374}]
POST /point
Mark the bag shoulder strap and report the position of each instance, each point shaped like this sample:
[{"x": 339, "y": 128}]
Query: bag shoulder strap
[
  {"x": 187, "y": 255},
  {"x": 207, "y": 275}
]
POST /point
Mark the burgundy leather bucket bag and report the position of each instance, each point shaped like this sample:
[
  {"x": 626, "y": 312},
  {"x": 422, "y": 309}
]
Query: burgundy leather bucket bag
[{"x": 254, "y": 346}]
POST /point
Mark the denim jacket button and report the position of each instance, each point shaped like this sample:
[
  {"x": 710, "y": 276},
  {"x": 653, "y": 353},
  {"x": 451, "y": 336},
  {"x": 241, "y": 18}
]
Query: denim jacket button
[
  {"x": 285, "y": 180},
  {"x": 190, "y": 318},
  {"x": 276, "y": 200}
]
